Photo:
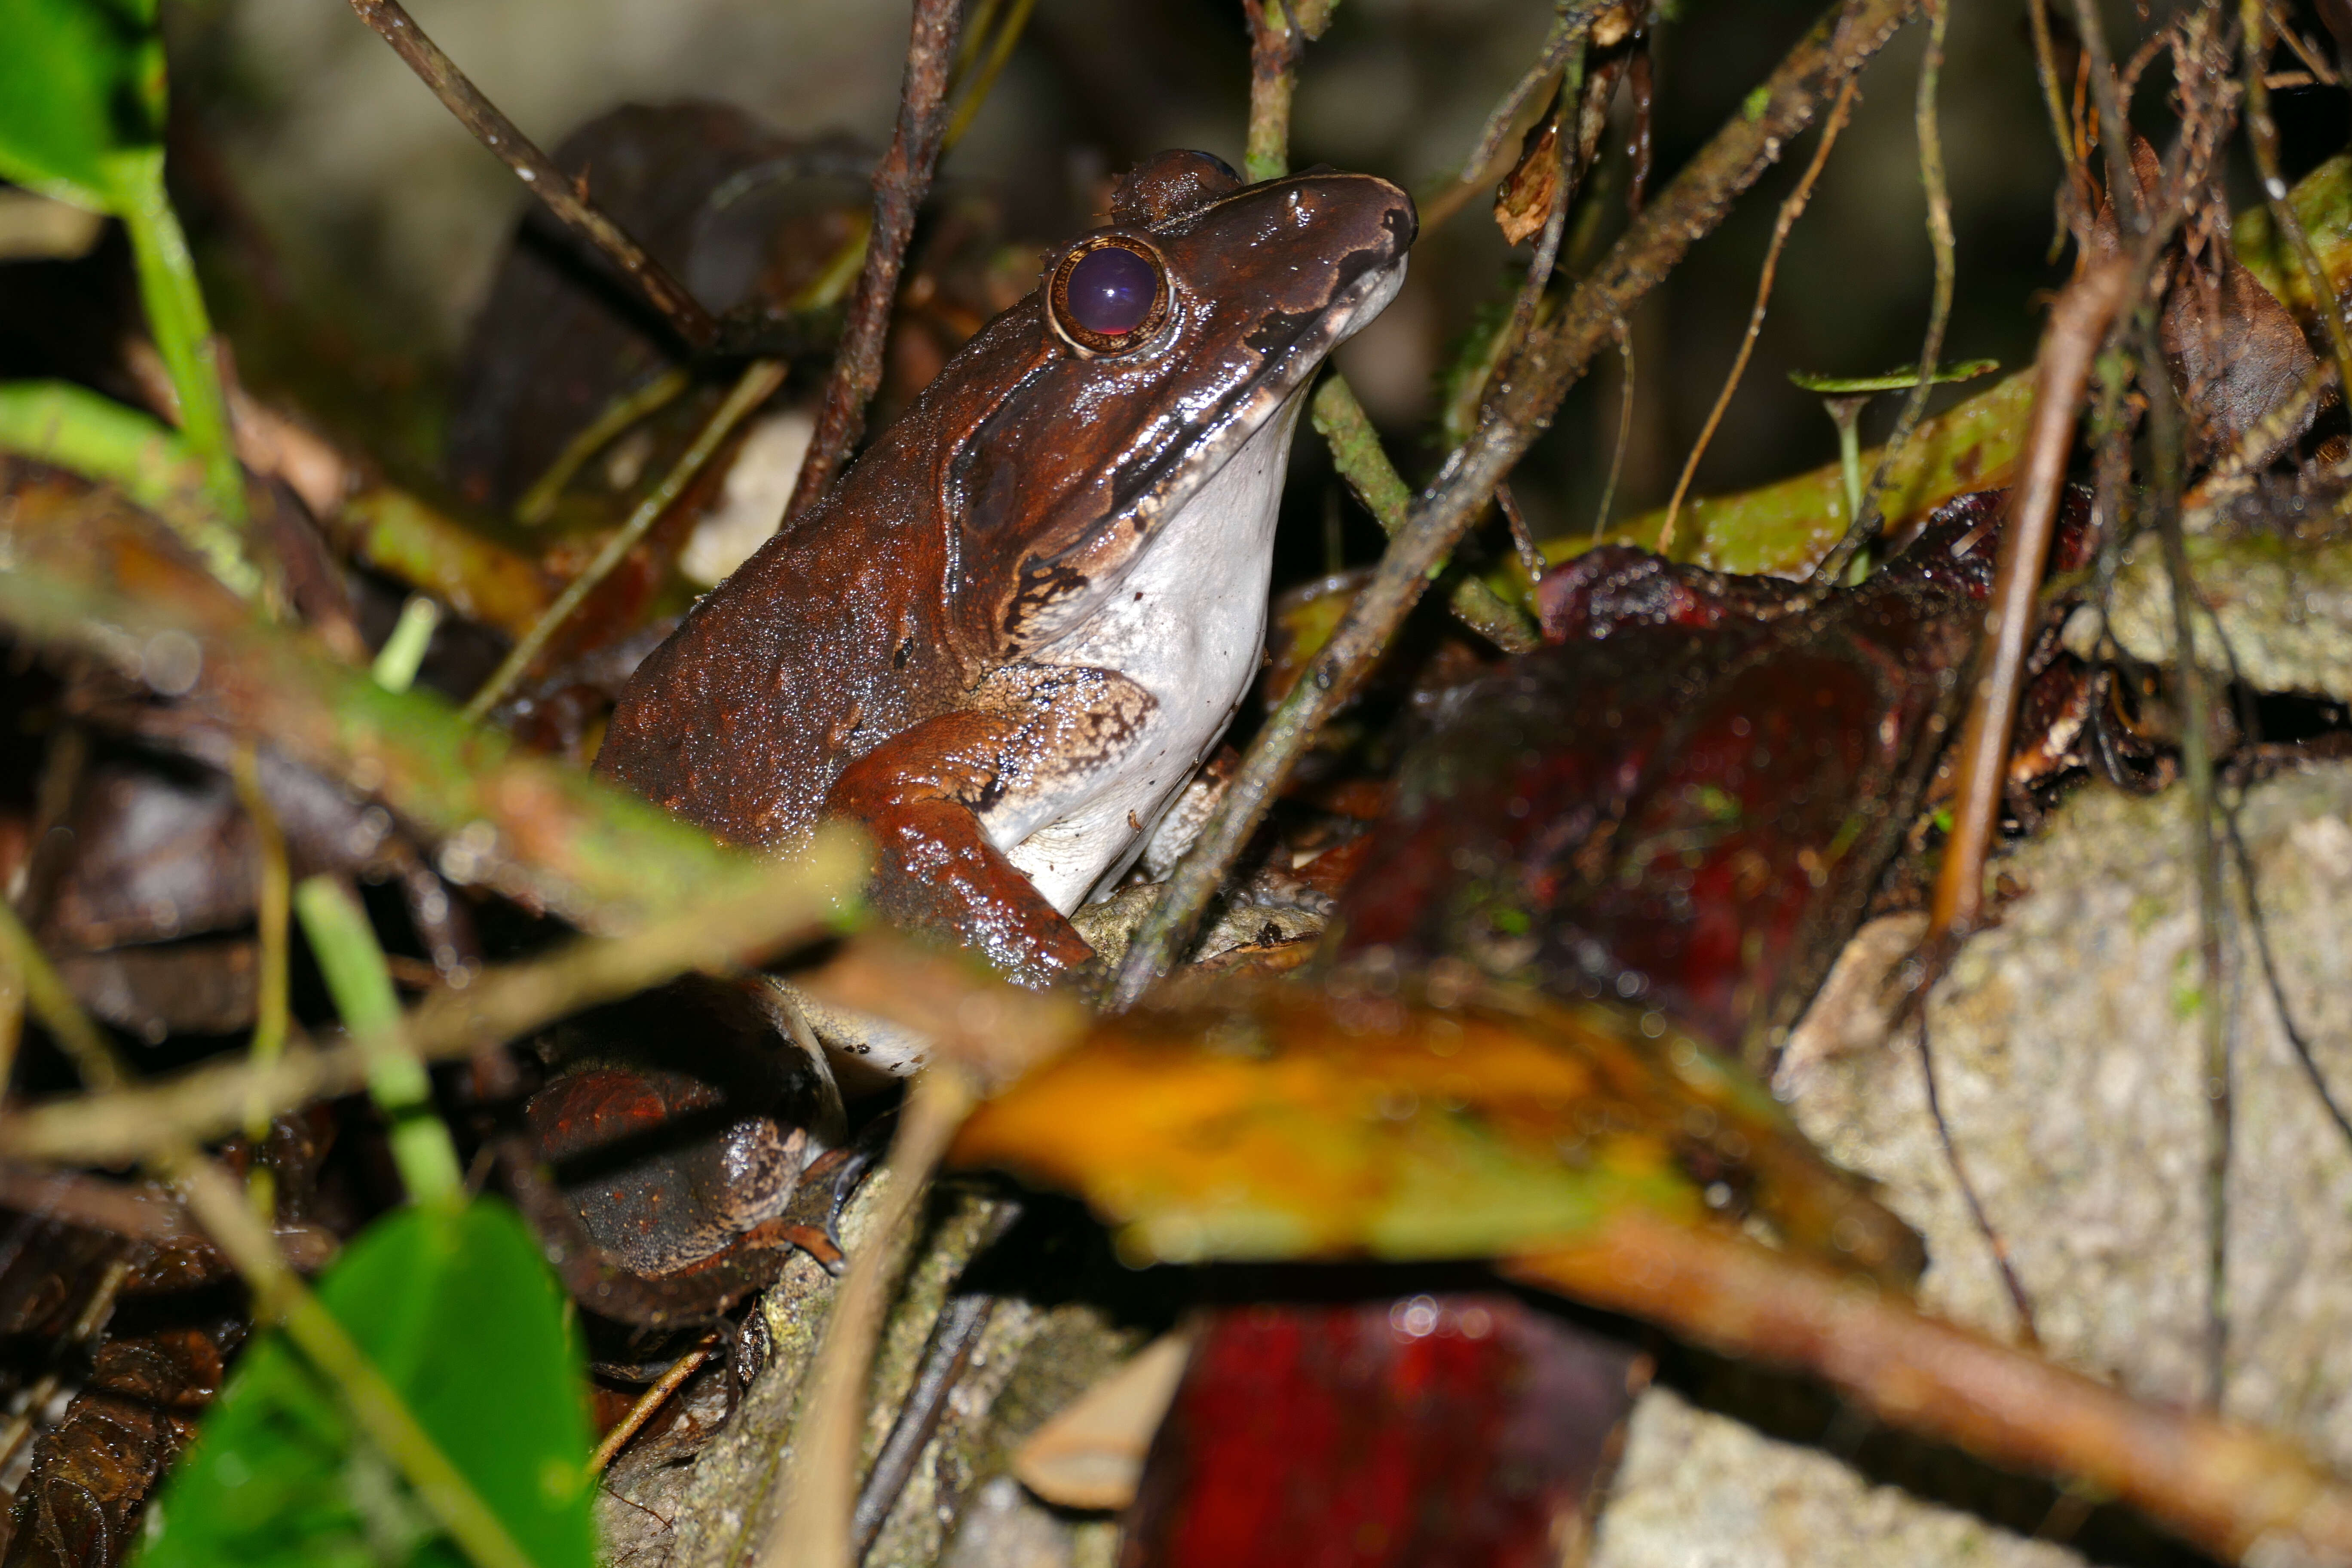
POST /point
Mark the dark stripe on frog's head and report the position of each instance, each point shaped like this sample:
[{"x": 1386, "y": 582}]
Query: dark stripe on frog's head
[{"x": 1085, "y": 453}]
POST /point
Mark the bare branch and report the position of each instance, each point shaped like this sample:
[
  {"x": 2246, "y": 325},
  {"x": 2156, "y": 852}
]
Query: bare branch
[
  {"x": 2078, "y": 323},
  {"x": 900, "y": 183},
  {"x": 566, "y": 202},
  {"x": 2224, "y": 1487}
]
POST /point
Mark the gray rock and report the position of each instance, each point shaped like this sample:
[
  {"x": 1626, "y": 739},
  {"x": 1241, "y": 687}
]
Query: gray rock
[
  {"x": 2069, "y": 1047},
  {"x": 2285, "y": 606}
]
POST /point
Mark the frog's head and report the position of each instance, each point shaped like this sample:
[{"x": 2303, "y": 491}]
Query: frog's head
[{"x": 1152, "y": 352}]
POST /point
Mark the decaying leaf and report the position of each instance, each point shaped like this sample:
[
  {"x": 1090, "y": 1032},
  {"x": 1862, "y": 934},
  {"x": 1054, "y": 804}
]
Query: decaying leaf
[
  {"x": 1282, "y": 1123},
  {"x": 1523, "y": 202}
]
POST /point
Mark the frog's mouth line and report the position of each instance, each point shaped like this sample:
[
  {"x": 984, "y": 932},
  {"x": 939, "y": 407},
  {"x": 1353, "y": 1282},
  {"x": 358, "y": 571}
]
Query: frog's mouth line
[
  {"x": 1051, "y": 592},
  {"x": 1295, "y": 347}
]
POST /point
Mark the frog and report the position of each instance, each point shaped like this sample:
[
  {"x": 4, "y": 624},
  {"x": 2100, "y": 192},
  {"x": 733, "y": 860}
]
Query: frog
[{"x": 1008, "y": 638}]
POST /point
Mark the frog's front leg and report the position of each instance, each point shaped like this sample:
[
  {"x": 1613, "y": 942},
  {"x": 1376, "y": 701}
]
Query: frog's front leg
[{"x": 944, "y": 799}]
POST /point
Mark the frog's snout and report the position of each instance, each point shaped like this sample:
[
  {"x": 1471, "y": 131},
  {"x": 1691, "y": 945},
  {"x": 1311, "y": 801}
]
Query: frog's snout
[{"x": 1377, "y": 209}]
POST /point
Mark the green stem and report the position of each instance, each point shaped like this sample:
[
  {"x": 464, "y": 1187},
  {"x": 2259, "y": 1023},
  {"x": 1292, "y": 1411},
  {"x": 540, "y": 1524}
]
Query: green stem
[
  {"x": 1363, "y": 462},
  {"x": 175, "y": 314},
  {"x": 1846, "y": 413},
  {"x": 538, "y": 503},
  {"x": 345, "y": 946},
  {"x": 1864, "y": 523},
  {"x": 760, "y": 379},
  {"x": 398, "y": 661},
  {"x": 273, "y": 909},
  {"x": 1273, "y": 73},
  {"x": 75, "y": 429},
  {"x": 999, "y": 53}
]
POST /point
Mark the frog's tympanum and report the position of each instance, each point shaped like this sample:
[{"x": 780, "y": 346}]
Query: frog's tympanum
[{"x": 1008, "y": 638}]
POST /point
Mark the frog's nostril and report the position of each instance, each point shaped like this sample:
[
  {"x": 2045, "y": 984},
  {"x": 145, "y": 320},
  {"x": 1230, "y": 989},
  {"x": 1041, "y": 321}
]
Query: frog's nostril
[
  {"x": 1404, "y": 222},
  {"x": 1112, "y": 290}
]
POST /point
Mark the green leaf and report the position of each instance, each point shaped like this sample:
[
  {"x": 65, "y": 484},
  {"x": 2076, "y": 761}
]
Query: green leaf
[
  {"x": 457, "y": 1310},
  {"x": 1897, "y": 380},
  {"x": 79, "y": 80}
]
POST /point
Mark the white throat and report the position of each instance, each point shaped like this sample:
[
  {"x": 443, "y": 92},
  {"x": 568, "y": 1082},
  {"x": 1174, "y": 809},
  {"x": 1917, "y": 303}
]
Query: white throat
[{"x": 1186, "y": 622}]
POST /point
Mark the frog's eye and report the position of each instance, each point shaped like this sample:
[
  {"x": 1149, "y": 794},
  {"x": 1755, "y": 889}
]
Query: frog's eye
[{"x": 1110, "y": 295}]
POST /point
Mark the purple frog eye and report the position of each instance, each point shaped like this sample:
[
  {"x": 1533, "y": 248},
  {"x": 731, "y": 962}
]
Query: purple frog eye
[{"x": 1108, "y": 296}]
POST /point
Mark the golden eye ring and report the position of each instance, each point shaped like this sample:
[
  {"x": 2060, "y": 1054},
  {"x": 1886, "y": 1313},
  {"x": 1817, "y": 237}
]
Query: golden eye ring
[{"x": 1110, "y": 295}]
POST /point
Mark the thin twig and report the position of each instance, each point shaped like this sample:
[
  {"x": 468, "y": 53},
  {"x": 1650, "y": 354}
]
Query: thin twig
[
  {"x": 566, "y": 200},
  {"x": 741, "y": 928},
  {"x": 961, "y": 1323},
  {"x": 538, "y": 503},
  {"x": 11, "y": 1022},
  {"x": 2028, "y": 1331},
  {"x": 900, "y": 182},
  {"x": 984, "y": 76},
  {"x": 651, "y": 1401},
  {"x": 1790, "y": 210},
  {"x": 94, "y": 1203},
  {"x": 2114, "y": 125},
  {"x": 2045, "y": 68},
  {"x": 955, "y": 1338},
  {"x": 2315, "y": 67},
  {"x": 1568, "y": 31},
  {"x": 821, "y": 1483},
  {"x": 2297, "y": 1039},
  {"x": 2219, "y": 1486},
  {"x": 1563, "y": 190},
  {"x": 2069, "y": 345},
  {"x": 1541, "y": 374},
  {"x": 273, "y": 900},
  {"x": 1275, "y": 48},
  {"x": 1364, "y": 463},
  {"x": 1340, "y": 419},
  {"x": 758, "y": 383},
  {"x": 1624, "y": 334},
  {"x": 1864, "y": 528},
  {"x": 1523, "y": 539},
  {"x": 2261, "y": 133}
]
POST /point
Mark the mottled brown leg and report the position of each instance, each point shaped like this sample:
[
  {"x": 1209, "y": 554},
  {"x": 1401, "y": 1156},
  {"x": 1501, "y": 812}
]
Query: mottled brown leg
[{"x": 916, "y": 794}]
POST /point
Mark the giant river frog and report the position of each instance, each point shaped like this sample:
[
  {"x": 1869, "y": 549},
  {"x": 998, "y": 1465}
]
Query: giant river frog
[{"x": 1007, "y": 639}]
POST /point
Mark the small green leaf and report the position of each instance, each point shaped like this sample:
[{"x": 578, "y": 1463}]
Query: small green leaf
[
  {"x": 1895, "y": 380},
  {"x": 80, "y": 81},
  {"x": 459, "y": 1313}
]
